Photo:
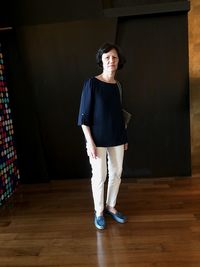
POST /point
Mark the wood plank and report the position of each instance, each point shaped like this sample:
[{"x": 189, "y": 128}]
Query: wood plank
[{"x": 51, "y": 225}]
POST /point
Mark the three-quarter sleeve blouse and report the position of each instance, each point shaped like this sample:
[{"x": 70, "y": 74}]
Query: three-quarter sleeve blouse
[{"x": 101, "y": 110}]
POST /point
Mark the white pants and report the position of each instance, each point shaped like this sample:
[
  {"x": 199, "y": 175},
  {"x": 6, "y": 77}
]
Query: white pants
[{"x": 111, "y": 159}]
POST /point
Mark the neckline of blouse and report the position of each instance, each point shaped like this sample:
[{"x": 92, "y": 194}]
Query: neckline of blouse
[{"x": 104, "y": 81}]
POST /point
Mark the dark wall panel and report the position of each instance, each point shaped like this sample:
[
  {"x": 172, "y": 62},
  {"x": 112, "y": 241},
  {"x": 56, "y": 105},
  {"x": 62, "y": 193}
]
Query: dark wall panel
[
  {"x": 157, "y": 93},
  {"x": 57, "y": 59},
  {"x": 31, "y": 159},
  {"x": 41, "y": 12},
  {"x": 128, "y": 3},
  {"x": 52, "y": 51},
  {"x": 5, "y": 17}
]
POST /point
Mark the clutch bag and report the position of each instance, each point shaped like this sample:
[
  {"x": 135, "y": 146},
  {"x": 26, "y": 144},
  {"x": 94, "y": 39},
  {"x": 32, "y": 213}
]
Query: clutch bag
[{"x": 127, "y": 117}]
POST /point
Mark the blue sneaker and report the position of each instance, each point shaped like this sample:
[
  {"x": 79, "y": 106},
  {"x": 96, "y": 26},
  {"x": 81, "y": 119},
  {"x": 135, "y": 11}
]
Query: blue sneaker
[
  {"x": 118, "y": 216},
  {"x": 99, "y": 222}
]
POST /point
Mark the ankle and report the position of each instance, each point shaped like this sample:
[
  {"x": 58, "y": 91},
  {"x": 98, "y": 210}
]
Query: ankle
[
  {"x": 98, "y": 214},
  {"x": 111, "y": 209}
]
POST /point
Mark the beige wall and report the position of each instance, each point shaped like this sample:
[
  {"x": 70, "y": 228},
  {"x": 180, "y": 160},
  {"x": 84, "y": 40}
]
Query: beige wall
[{"x": 194, "y": 66}]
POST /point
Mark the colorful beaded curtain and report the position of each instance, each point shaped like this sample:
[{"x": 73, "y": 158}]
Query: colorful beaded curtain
[{"x": 9, "y": 173}]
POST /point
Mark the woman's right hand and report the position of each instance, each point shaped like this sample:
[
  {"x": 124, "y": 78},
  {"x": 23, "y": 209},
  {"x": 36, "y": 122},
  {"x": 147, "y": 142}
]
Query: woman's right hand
[
  {"x": 91, "y": 150},
  {"x": 90, "y": 145}
]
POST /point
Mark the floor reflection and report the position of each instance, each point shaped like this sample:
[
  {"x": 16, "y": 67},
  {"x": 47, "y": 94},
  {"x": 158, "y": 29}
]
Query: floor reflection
[
  {"x": 108, "y": 243},
  {"x": 101, "y": 255}
]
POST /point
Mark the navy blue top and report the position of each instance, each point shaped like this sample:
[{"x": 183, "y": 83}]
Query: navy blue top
[{"x": 101, "y": 110}]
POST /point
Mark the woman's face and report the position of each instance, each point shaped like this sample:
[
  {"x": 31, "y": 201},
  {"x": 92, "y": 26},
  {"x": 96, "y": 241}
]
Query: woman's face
[{"x": 110, "y": 60}]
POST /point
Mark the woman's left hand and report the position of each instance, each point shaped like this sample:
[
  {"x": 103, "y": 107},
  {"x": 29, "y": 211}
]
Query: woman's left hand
[{"x": 126, "y": 146}]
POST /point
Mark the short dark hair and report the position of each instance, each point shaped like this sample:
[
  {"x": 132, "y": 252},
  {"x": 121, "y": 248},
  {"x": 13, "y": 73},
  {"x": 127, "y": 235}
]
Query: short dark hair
[{"x": 105, "y": 48}]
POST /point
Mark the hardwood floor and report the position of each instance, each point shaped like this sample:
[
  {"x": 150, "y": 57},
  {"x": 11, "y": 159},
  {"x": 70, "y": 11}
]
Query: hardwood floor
[{"x": 51, "y": 225}]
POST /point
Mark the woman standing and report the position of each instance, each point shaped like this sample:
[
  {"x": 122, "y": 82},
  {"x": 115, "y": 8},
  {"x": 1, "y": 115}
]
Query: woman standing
[{"x": 101, "y": 119}]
